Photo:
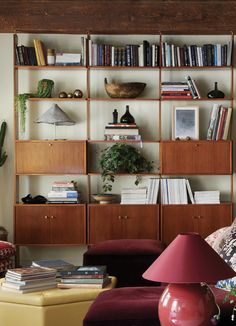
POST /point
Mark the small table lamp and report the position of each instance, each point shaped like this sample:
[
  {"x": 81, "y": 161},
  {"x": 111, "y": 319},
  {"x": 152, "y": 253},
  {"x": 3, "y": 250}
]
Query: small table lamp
[
  {"x": 185, "y": 263},
  {"x": 54, "y": 115}
]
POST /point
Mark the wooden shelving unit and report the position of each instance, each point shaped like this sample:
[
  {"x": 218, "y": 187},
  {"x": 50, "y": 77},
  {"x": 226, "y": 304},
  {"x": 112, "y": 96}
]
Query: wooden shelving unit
[{"x": 93, "y": 222}]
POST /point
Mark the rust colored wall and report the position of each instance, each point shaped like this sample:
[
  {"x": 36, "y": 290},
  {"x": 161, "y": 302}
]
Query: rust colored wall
[{"x": 118, "y": 16}]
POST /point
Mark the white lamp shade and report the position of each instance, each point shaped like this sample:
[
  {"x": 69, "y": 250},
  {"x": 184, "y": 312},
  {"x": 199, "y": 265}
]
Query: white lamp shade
[{"x": 55, "y": 115}]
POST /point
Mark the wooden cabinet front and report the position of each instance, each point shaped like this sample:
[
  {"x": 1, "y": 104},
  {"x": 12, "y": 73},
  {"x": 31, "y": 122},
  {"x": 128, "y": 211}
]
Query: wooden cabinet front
[
  {"x": 112, "y": 221},
  {"x": 44, "y": 224},
  {"x": 50, "y": 157},
  {"x": 203, "y": 219},
  {"x": 196, "y": 157}
]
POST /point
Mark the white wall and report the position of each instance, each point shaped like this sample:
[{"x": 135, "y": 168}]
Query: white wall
[{"x": 28, "y": 82}]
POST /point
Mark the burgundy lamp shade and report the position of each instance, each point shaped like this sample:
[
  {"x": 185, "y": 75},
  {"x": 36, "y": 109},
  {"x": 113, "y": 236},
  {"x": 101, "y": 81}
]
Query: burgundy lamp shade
[
  {"x": 188, "y": 259},
  {"x": 186, "y": 263}
]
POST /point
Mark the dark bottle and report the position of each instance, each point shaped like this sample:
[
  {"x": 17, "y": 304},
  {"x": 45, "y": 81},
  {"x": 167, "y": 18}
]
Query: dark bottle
[
  {"x": 115, "y": 116},
  {"x": 127, "y": 117},
  {"x": 216, "y": 93}
]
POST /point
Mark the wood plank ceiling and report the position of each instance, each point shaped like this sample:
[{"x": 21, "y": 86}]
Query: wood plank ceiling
[{"x": 118, "y": 16}]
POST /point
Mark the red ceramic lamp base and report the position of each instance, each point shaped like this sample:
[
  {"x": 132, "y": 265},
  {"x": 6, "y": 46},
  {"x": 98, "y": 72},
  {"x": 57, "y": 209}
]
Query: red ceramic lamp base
[{"x": 187, "y": 305}]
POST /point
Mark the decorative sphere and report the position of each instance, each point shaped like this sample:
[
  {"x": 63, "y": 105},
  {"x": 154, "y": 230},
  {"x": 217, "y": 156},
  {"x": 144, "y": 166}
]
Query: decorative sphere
[
  {"x": 78, "y": 93},
  {"x": 70, "y": 95},
  {"x": 62, "y": 94}
]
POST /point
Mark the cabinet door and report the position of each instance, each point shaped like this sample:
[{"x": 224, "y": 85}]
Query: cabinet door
[
  {"x": 50, "y": 157},
  {"x": 32, "y": 225},
  {"x": 213, "y": 217},
  {"x": 196, "y": 157},
  {"x": 105, "y": 223},
  {"x": 67, "y": 224},
  {"x": 203, "y": 219},
  {"x": 140, "y": 221}
]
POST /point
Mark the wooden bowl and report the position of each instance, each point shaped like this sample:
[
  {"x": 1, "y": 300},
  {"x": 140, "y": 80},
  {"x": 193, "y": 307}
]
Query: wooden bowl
[
  {"x": 124, "y": 90},
  {"x": 104, "y": 198}
]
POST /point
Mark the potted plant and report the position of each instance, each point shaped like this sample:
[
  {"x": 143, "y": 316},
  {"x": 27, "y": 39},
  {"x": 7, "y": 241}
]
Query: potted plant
[{"x": 121, "y": 158}]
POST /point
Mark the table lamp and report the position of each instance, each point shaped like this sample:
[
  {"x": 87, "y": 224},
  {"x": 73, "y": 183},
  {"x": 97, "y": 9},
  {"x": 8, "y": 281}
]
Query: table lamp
[
  {"x": 186, "y": 263},
  {"x": 56, "y": 116}
]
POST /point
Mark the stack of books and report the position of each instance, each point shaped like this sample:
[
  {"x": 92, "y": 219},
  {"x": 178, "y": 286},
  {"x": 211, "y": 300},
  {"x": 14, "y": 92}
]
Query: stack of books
[
  {"x": 219, "y": 123},
  {"x": 207, "y": 197},
  {"x": 29, "y": 279},
  {"x": 122, "y": 131},
  {"x": 174, "y": 191},
  {"x": 58, "y": 264},
  {"x": 152, "y": 192},
  {"x": 134, "y": 195},
  {"x": 178, "y": 89},
  {"x": 85, "y": 277},
  {"x": 68, "y": 59},
  {"x": 63, "y": 192}
]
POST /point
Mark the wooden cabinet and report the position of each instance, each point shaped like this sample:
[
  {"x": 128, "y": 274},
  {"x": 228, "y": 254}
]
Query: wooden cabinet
[
  {"x": 196, "y": 157},
  {"x": 106, "y": 222},
  {"x": 203, "y": 219},
  {"x": 51, "y": 157},
  {"x": 46, "y": 224}
]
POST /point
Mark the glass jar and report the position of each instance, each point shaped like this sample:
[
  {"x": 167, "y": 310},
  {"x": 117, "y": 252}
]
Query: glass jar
[{"x": 51, "y": 57}]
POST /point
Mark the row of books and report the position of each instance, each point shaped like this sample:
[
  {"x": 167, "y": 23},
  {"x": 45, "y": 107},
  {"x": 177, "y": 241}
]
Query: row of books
[
  {"x": 193, "y": 55},
  {"x": 180, "y": 89},
  {"x": 119, "y": 131},
  {"x": 176, "y": 191},
  {"x": 63, "y": 192},
  {"x": 218, "y": 128},
  {"x": 142, "y": 55}
]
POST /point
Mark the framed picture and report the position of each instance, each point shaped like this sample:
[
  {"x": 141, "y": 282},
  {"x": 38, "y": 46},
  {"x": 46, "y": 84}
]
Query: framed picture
[{"x": 185, "y": 122}]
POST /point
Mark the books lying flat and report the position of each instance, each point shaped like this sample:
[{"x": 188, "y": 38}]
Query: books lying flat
[
  {"x": 134, "y": 195},
  {"x": 58, "y": 264},
  {"x": 85, "y": 285},
  {"x": 35, "y": 285},
  {"x": 94, "y": 280},
  {"x": 207, "y": 197},
  {"x": 28, "y": 282},
  {"x": 86, "y": 270},
  {"x": 30, "y": 272},
  {"x": 28, "y": 290}
]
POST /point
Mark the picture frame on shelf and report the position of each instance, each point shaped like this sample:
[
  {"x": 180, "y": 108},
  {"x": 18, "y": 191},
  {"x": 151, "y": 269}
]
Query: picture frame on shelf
[{"x": 185, "y": 122}]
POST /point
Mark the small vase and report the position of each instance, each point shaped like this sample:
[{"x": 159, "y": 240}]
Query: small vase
[
  {"x": 115, "y": 116},
  {"x": 127, "y": 117},
  {"x": 216, "y": 93}
]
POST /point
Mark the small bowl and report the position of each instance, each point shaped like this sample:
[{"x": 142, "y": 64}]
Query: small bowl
[{"x": 104, "y": 198}]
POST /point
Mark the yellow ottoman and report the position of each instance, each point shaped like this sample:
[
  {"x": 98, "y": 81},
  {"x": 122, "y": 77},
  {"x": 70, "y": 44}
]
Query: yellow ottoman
[{"x": 55, "y": 307}]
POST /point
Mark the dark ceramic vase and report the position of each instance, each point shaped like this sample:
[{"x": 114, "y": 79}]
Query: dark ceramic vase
[
  {"x": 127, "y": 117},
  {"x": 216, "y": 93}
]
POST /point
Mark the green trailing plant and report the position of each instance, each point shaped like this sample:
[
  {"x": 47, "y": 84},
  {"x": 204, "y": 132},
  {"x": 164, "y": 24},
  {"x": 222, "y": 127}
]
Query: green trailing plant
[
  {"x": 121, "y": 158},
  {"x": 44, "y": 90},
  {"x": 3, "y": 155}
]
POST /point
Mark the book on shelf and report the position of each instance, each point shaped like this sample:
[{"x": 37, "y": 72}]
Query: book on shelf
[
  {"x": 123, "y": 137},
  {"x": 189, "y": 190},
  {"x": 86, "y": 270},
  {"x": 121, "y": 131},
  {"x": 219, "y": 123},
  {"x": 63, "y": 194},
  {"x": 68, "y": 59},
  {"x": 102, "y": 285},
  {"x": 91, "y": 280},
  {"x": 40, "y": 52},
  {"x": 174, "y": 191},
  {"x": 192, "y": 86},
  {"x": 207, "y": 197},
  {"x": 129, "y": 125},
  {"x": 152, "y": 190}
]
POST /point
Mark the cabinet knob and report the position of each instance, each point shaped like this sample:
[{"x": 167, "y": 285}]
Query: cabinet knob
[
  {"x": 52, "y": 216},
  {"x": 45, "y": 216},
  {"x": 119, "y": 217},
  {"x": 126, "y": 217},
  {"x": 199, "y": 216},
  {"x": 49, "y": 144}
]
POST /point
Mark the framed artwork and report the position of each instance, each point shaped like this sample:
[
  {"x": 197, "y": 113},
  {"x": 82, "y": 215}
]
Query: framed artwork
[{"x": 185, "y": 122}]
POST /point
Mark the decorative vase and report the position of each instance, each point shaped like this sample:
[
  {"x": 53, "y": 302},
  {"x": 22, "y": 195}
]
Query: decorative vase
[
  {"x": 216, "y": 93},
  {"x": 115, "y": 116},
  {"x": 127, "y": 117}
]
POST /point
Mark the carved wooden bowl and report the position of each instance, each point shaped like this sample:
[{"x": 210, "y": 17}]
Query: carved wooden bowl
[
  {"x": 104, "y": 198},
  {"x": 124, "y": 90}
]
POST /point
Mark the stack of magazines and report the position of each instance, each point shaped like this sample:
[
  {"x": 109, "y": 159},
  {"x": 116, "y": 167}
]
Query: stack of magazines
[
  {"x": 29, "y": 279},
  {"x": 85, "y": 277}
]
